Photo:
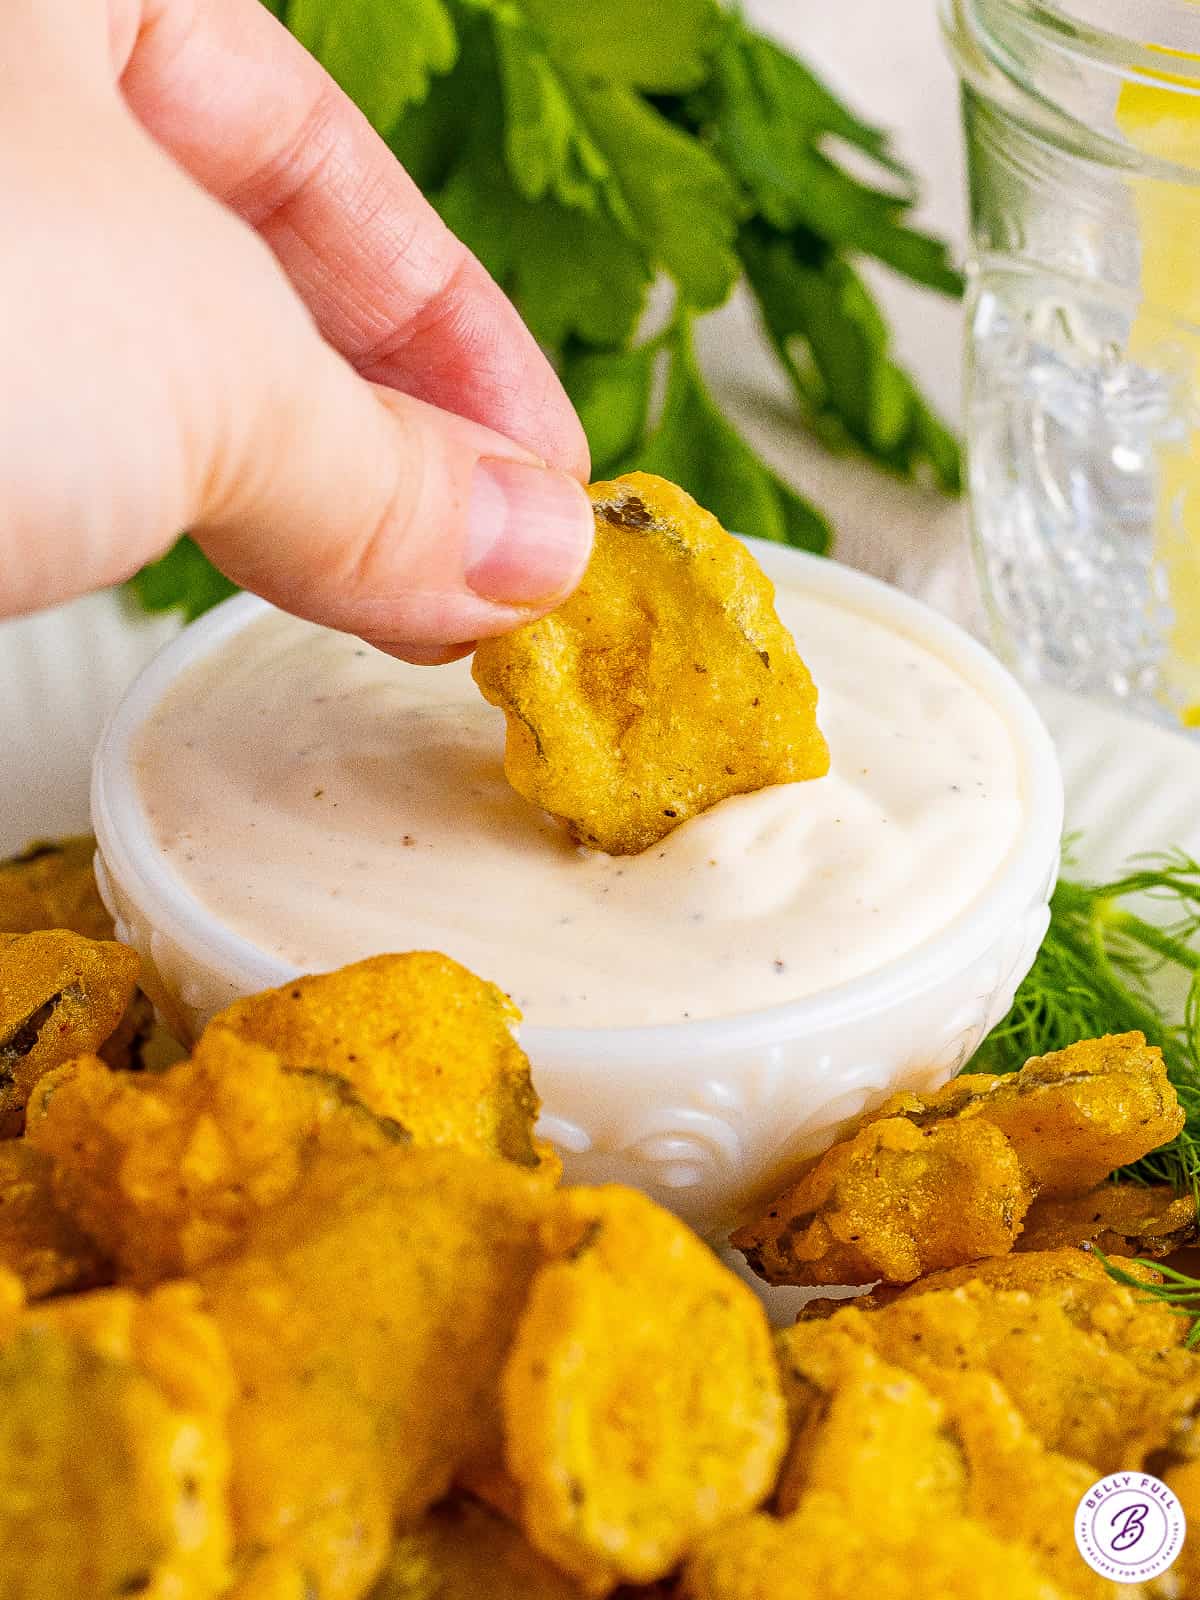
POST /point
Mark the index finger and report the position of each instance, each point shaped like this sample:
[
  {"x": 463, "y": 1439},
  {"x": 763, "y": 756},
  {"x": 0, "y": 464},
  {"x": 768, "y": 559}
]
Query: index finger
[{"x": 245, "y": 108}]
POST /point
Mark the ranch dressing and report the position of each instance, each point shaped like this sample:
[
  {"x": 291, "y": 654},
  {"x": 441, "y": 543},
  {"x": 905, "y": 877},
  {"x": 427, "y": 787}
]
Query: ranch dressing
[{"x": 327, "y": 803}]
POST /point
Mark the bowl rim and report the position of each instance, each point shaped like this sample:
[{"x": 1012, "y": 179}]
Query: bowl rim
[{"x": 1025, "y": 875}]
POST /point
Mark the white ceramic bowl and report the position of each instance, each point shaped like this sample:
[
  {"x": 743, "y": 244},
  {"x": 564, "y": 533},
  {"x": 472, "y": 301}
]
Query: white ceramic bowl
[{"x": 706, "y": 1116}]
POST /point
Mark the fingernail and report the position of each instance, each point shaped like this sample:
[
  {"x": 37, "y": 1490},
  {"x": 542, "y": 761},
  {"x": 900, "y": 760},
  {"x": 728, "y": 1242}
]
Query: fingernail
[{"x": 529, "y": 532}]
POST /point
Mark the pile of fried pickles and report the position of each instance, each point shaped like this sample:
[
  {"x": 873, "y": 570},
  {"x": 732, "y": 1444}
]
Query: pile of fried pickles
[{"x": 308, "y": 1315}]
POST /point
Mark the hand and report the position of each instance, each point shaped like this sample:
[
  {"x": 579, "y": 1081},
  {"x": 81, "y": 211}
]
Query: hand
[{"x": 224, "y": 307}]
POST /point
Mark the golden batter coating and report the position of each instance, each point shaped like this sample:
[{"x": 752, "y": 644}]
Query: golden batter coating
[
  {"x": 931, "y": 1181},
  {"x": 641, "y": 1399},
  {"x": 664, "y": 684},
  {"x": 61, "y": 995},
  {"x": 422, "y": 1040}
]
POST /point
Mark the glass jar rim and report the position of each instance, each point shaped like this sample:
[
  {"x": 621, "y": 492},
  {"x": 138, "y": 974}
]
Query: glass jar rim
[
  {"x": 1157, "y": 41},
  {"x": 1051, "y": 63}
]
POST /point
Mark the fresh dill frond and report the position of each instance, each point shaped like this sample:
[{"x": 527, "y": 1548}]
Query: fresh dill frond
[
  {"x": 1101, "y": 969},
  {"x": 1177, "y": 1290}
]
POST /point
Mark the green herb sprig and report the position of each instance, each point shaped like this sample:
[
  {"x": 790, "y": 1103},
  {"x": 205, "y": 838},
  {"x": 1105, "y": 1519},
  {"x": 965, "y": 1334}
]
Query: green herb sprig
[
  {"x": 1178, "y": 1290},
  {"x": 586, "y": 152},
  {"x": 1102, "y": 969}
]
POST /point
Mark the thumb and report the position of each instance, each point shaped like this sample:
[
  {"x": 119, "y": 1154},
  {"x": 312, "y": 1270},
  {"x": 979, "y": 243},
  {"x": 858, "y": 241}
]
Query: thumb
[{"x": 375, "y": 513}]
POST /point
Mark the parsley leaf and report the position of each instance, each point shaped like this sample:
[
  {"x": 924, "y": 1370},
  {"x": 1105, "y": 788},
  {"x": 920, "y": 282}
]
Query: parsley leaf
[
  {"x": 184, "y": 579},
  {"x": 834, "y": 344},
  {"x": 771, "y": 120},
  {"x": 662, "y": 48},
  {"x": 549, "y": 150},
  {"x": 573, "y": 273},
  {"x": 382, "y": 52},
  {"x": 587, "y": 151},
  {"x": 695, "y": 446},
  {"x": 611, "y": 390},
  {"x": 577, "y": 131},
  {"x": 677, "y": 195}
]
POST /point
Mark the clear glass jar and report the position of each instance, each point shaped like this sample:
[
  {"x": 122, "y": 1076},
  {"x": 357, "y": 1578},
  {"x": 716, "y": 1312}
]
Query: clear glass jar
[{"x": 1082, "y": 122}]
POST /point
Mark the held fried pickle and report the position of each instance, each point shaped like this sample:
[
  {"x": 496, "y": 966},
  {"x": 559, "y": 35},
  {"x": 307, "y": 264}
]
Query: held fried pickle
[
  {"x": 641, "y": 1400},
  {"x": 61, "y": 995},
  {"x": 664, "y": 684},
  {"x": 931, "y": 1181}
]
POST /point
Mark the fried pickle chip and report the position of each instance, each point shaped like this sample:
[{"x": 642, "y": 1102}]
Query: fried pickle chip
[
  {"x": 423, "y": 1041},
  {"x": 461, "y": 1551},
  {"x": 641, "y": 1400},
  {"x": 51, "y": 884},
  {"x": 930, "y": 1182},
  {"x": 1077, "y": 1114},
  {"x": 831, "y": 1551},
  {"x": 1120, "y": 1219},
  {"x": 40, "y": 1243},
  {"x": 1097, "y": 1372},
  {"x": 1184, "y": 1479},
  {"x": 897, "y": 1448},
  {"x": 1016, "y": 1486},
  {"x": 368, "y": 1318},
  {"x": 874, "y": 1498},
  {"x": 664, "y": 684},
  {"x": 853, "y": 1418},
  {"x": 1069, "y": 1276},
  {"x": 113, "y": 1460},
  {"x": 893, "y": 1201},
  {"x": 61, "y": 995},
  {"x": 309, "y": 1498},
  {"x": 165, "y": 1171}
]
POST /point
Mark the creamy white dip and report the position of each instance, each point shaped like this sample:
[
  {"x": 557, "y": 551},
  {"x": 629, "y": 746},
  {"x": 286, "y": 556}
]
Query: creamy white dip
[{"x": 328, "y": 803}]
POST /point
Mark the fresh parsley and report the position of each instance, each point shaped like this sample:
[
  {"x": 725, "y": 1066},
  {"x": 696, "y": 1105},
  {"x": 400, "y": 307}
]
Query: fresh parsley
[
  {"x": 182, "y": 580},
  {"x": 588, "y": 152},
  {"x": 1178, "y": 1290}
]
